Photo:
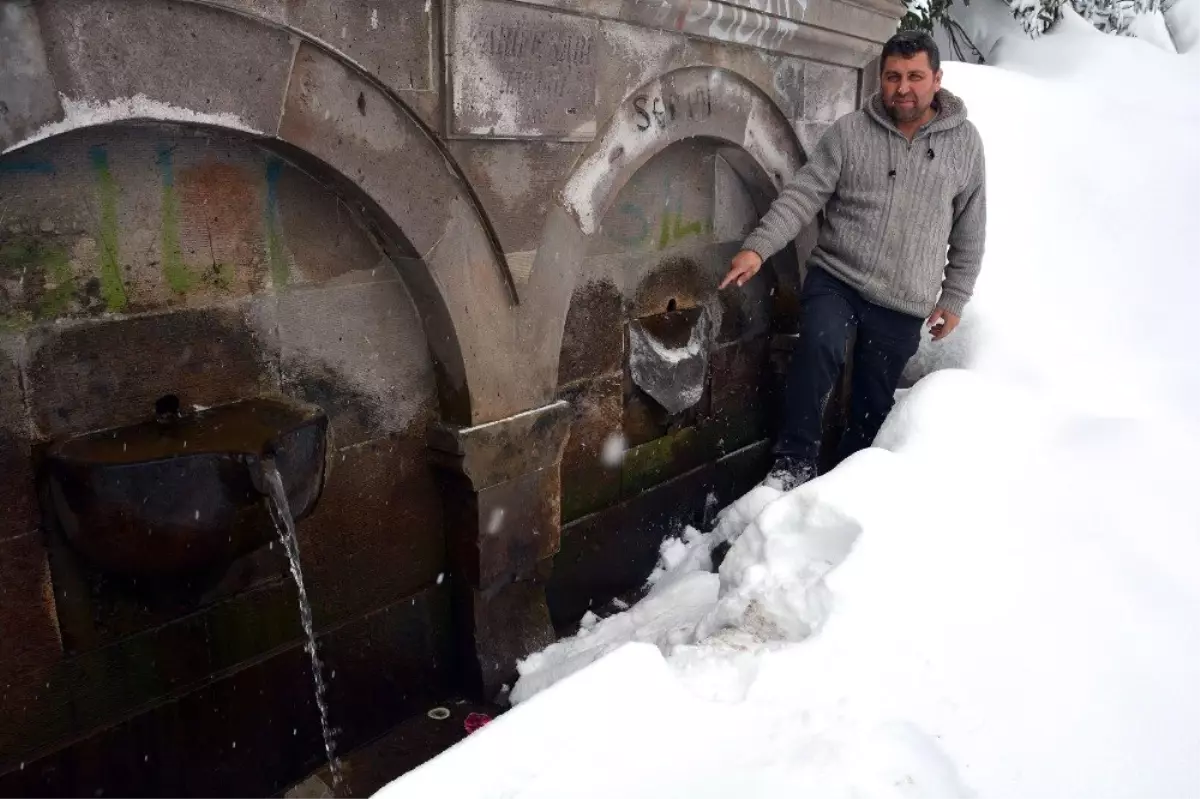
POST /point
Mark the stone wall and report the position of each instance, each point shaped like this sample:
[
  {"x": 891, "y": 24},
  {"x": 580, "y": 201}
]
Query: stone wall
[
  {"x": 140, "y": 261},
  {"x": 448, "y": 224}
]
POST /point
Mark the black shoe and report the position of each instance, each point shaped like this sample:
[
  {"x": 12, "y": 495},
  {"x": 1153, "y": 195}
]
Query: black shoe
[{"x": 789, "y": 473}]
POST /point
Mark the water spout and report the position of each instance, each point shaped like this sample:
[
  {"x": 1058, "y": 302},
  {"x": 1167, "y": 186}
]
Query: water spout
[
  {"x": 181, "y": 494},
  {"x": 277, "y": 503}
]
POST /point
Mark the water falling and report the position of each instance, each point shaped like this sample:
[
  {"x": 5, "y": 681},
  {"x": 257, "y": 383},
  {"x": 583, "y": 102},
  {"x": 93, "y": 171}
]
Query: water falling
[{"x": 277, "y": 501}]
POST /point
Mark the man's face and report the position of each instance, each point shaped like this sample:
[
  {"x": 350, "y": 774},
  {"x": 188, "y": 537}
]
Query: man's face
[{"x": 908, "y": 86}]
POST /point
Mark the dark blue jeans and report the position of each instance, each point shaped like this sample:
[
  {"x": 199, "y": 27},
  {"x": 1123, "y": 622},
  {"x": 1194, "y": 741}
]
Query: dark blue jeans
[{"x": 830, "y": 310}]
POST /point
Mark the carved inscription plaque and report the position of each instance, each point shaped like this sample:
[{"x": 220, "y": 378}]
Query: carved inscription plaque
[{"x": 522, "y": 73}]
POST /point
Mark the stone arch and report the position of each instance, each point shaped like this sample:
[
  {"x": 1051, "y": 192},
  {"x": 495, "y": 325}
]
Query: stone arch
[
  {"x": 651, "y": 356},
  {"x": 108, "y": 62},
  {"x": 693, "y": 102}
]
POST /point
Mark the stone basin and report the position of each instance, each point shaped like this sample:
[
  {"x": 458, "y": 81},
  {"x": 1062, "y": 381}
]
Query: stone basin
[{"x": 183, "y": 493}]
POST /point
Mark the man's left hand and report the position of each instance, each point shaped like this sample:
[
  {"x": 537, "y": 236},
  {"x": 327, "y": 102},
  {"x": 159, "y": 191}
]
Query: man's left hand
[{"x": 941, "y": 323}]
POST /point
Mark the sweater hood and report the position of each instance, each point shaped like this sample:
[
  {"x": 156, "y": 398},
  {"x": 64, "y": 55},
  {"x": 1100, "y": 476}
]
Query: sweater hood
[{"x": 952, "y": 112}]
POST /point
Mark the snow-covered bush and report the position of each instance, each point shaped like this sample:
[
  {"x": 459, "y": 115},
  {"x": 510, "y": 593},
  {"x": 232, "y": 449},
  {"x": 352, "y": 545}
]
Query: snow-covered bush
[{"x": 1036, "y": 16}]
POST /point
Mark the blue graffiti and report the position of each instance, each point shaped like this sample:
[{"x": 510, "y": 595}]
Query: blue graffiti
[
  {"x": 26, "y": 168},
  {"x": 164, "y": 161}
]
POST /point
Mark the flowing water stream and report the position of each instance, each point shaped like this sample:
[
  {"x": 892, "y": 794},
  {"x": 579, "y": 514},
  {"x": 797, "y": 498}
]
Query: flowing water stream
[{"x": 277, "y": 501}]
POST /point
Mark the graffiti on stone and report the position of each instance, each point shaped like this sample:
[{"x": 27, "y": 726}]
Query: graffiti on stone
[
  {"x": 659, "y": 220},
  {"x": 92, "y": 257},
  {"x": 550, "y": 48},
  {"x": 768, "y": 24},
  {"x": 660, "y": 111},
  {"x": 523, "y": 74}
]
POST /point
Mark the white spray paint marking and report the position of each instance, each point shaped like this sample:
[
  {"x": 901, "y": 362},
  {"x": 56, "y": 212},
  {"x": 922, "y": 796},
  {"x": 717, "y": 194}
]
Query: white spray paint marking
[
  {"x": 579, "y": 195},
  {"x": 763, "y": 23},
  {"x": 374, "y": 19},
  {"x": 85, "y": 113}
]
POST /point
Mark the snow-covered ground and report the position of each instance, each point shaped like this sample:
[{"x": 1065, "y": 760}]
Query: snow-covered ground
[{"x": 1002, "y": 597}]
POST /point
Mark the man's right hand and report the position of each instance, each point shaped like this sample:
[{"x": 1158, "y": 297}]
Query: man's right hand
[{"x": 745, "y": 266}]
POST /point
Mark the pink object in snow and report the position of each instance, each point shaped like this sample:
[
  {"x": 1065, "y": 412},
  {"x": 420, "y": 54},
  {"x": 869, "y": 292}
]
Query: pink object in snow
[{"x": 474, "y": 721}]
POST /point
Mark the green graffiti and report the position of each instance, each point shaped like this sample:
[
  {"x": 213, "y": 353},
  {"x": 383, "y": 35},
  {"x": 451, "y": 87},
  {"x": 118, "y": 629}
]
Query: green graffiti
[
  {"x": 674, "y": 229},
  {"x": 60, "y": 280},
  {"x": 276, "y": 253},
  {"x": 112, "y": 285},
  {"x": 37, "y": 266},
  {"x": 179, "y": 278}
]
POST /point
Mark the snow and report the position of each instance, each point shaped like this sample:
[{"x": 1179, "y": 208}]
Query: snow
[
  {"x": 683, "y": 591},
  {"x": 82, "y": 113},
  {"x": 1152, "y": 27},
  {"x": 1002, "y": 596},
  {"x": 1183, "y": 23},
  {"x": 988, "y": 23}
]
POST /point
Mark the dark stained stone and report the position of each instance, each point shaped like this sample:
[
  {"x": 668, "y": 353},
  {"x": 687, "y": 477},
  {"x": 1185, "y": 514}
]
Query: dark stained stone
[
  {"x": 498, "y": 626},
  {"x": 596, "y": 418},
  {"x": 255, "y": 731},
  {"x": 376, "y": 534},
  {"x": 105, "y": 374},
  {"x": 588, "y": 482},
  {"x": 29, "y": 637},
  {"x": 388, "y": 665},
  {"x": 738, "y": 372},
  {"x": 593, "y": 341},
  {"x": 612, "y": 552},
  {"x": 502, "y": 531},
  {"x": 16, "y": 469},
  {"x": 663, "y": 459}
]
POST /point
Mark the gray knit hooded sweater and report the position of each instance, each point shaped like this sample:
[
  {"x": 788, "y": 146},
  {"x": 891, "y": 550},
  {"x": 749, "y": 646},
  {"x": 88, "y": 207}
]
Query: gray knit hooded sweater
[{"x": 909, "y": 242}]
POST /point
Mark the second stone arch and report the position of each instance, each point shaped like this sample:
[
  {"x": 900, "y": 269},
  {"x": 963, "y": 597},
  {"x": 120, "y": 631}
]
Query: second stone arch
[{"x": 670, "y": 382}]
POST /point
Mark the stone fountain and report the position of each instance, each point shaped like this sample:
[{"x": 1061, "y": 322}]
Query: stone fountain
[
  {"x": 189, "y": 492},
  {"x": 184, "y": 492}
]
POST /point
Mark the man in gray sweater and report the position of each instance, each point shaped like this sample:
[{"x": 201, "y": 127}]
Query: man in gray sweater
[{"x": 899, "y": 185}]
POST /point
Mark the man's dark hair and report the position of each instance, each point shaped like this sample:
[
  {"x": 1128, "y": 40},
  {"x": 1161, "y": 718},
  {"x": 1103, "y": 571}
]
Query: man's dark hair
[{"x": 907, "y": 44}]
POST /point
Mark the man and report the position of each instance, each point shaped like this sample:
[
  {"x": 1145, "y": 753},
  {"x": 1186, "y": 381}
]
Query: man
[{"x": 901, "y": 187}]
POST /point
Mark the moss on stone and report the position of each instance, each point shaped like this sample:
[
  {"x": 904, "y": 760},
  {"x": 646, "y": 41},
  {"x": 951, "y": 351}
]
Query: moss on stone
[{"x": 41, "y": 266}]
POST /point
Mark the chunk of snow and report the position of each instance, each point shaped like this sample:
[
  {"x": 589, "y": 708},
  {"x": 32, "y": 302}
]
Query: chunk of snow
[
  {"x": 1182, "y": 19},
  {"x": 1152, "y": 27}
]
